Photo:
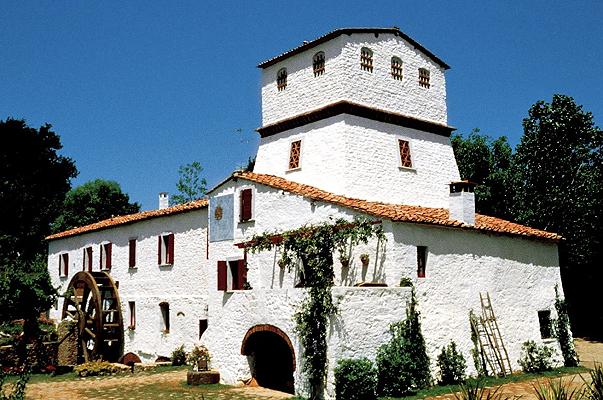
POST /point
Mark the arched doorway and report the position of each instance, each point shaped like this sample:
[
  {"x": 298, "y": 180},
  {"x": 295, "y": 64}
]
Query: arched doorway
[{"x": 271, "y": 357}]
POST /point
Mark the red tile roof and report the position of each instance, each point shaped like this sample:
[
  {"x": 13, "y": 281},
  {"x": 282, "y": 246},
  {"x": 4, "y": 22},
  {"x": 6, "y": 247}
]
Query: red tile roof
[
  {"x": 131, "y": 218},
  {"x": 399, "y": 212}
]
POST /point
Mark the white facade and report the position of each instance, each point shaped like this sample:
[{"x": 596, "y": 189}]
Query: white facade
[{"x": 353, "y": 156}]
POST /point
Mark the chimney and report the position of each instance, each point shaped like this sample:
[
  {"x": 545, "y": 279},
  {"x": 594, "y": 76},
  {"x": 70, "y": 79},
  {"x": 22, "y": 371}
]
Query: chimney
[
  {"x": 164, "y": 200},
  {"x": 462, "y": 202}
]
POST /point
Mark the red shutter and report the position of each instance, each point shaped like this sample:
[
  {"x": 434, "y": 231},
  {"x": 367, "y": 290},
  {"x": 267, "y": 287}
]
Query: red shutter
[
  {"x": 171, "y": 248},
  {"x": 221, "y": 275},
  {"x": 66, "y": 264},
  {"x": 100, "y": 257},
  {"x": 89, "y": 259},
  {"x": 108, "y": 247},
  {"x": 246, "y": 202},
  {"x": 84, "y": 251},
  {"x": 132, "y": 262},
  {"x": 241, "y": 274},
  {"x": 159, "y": 250}
]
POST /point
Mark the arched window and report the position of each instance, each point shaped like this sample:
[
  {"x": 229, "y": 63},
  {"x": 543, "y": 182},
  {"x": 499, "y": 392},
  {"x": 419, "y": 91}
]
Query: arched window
[
  {"x": 424, "y": 77},
  {"x": 281, "y": 79},
  {"x": 396, "y": 68},
  {"x": 366, "y": 59},
  {"x": 318, "y": 63}
]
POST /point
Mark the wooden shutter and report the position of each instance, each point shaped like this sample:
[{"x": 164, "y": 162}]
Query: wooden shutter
[
  {"x": 159, "y": 250},
  {"x": 100, "y": 257},
  {"x": 132, "y": 253},
  {"x": 246, "y": 202},
  {"x": 170, "y": 249},
  {"x": 89, "y": 249},
  {"x": 84, "y": 251},
  {"x": 222, "y": 275},
  {"x": 421, "y": 261},
  {"x": 108, "y": 248},
  {"x": 241, "y": 274}
]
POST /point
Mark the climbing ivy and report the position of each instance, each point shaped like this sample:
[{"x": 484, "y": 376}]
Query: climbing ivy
[
  {"x": 562, "y": 329},
  {"x": 313, "y": 246}
]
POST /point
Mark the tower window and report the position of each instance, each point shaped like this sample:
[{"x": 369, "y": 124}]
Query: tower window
[
  {"x": 294, "y": 154},
  {"x": 397, "y": 68},
  {"x": 63, "y": 264},
  {"x": 421, "y": 261},
  {"x": 246, "y": 200},
  {"x": 132, "y": 307},
  {"x": 105, "y": 256},
  {"x": 366, "y": 59},
  {"x": 281, "y": 79},
  {"x": 132, "y": 253},
  {"x": 405, "y": 159},
  {"x": 87, "y": 259},
  {"x": 544, "y": 318},
  {"x": 165, "y": 317},
  {"x": 318, "y": 63},
  {"x": 424, "y": 77},
  {"x": 165, "y": 249}
]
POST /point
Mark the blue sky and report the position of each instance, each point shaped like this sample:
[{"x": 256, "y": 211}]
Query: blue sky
[{"x": 135, "y": 89}]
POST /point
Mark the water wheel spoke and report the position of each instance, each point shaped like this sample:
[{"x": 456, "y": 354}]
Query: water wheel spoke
[
  {"x": 89, "y": 332},
  {"x": 69, "y": 314}
]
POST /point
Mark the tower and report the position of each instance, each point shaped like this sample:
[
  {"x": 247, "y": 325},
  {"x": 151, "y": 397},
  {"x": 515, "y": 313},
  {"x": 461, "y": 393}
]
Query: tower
[{"x": 359, "y": 112}]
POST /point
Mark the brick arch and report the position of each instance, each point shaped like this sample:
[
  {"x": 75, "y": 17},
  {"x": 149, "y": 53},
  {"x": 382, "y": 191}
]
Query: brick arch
[{"x": 271, "y": 329}]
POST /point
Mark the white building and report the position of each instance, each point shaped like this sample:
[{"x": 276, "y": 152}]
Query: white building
[{"x": 354, "y": 123}]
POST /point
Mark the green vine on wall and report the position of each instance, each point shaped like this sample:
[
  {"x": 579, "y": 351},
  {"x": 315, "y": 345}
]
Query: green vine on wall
[{"x": 314, "y": 245}]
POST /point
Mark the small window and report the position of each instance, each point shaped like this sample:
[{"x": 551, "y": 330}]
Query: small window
[
  {"x": 424, "y": 77},
  {"x": 132, "y": 308},
  {"x": 421, "y": 261},
  {"x": 132, "y": 253},
  {"x": 87, "y": 259},
  {"x": 366, "y": 59},
  {"x": 405, "y": 159},
  {"x": 63, "y": 264},
  {"x": 544, "y": 318},
  {"x": 105, "y": 256},
  {"x": 165, "y": 249},
  {"x": 246, "y": 200},
  {"x": 281, "y": 79},
  {"x": 165, "y": 317},
  {"x": 397, "y": 68},
  {"x": 295, "y": 154},
  {"x": 202, "y": 327},
  {"x": 232, "y": 275},
  {"x": 318, "y": 63}
]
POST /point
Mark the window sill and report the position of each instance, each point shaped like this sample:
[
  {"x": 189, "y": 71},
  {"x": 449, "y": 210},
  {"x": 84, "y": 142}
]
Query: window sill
[
  {"x": 133, "y": 267},
  {"x": 549, "y": 340},
  {"x": 63, "y": 276},
  {"x": 409, "y": 169},
  {"x": 248, "y": 221},
  {"x": 165, "y": 265},
  {"x": 293, "y": 169}
]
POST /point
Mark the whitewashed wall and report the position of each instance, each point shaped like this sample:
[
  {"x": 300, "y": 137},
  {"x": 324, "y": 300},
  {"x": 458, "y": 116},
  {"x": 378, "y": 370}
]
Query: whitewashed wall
[
  {"x": 345, "y": 80},
  {"x": 519, "y": 274},
  {"x": 183, "y": 285},
  {"x": 360, "y": 158}
]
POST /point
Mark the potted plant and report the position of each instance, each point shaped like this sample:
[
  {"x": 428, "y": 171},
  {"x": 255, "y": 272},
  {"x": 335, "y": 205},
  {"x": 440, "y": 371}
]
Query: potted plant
[
  {"x": 199, "y": 358},
  {"x": 344, "y": 260},
  {"x": 364, "y": 258}
]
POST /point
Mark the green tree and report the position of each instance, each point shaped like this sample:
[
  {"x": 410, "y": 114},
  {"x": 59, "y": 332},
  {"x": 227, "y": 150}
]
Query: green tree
[
  {"x": 558, "y": 167},
  {"x": 92, "y": 202},
  {"x": 33, "y": 183},
  {"x": 191, "y": 186},
  {"x": 486, "y": 162}
]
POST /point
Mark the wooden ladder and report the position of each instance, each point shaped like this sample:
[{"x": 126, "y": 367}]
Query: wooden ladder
[{"x": 492, "y": 347}]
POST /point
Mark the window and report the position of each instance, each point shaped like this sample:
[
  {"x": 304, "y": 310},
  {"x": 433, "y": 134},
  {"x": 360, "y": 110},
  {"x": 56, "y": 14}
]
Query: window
[
  {"x": 366, "y": 59},
  {"x": 421, "y": 261},
  {"x": 105, "y": 256},
  {"x": 246, "y": 201},
  {"x": 232, "y": 275},
  {"x": 165, "y": 317},
  {"x": 397, "y": 68},
  {"x": 424, "y": 77},
  {"x": 165, "y": 249},
  {"x": 295, "y": 154},
  {"x": 405, "y": 159},
  {"x": 87, "y": 259},
  {"x": 63, "y": 264},
  {"x": 544, "y": 318},
  {"x": 281, "y": 79},
  {"x": 132, "y": 253},
  {"x": 202, "y": 327},
  {"x": 318, "y": 63},
  {"x": 132, "y": 308}
]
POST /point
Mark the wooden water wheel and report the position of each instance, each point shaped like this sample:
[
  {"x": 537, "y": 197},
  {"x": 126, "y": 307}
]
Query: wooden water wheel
[{"x": 93, "y": 303}]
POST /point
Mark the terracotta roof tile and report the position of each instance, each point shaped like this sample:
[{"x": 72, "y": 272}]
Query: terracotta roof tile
[
  {"x": 130, "y": 218},
  {"x": 399, "y": 212}
]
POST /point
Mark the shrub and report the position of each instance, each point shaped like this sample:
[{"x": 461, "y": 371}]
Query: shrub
[
  {"x": 535, "y": 358},
  {"x": 179, "y": 356},
  {"x": 355, "y": 380},
  {"x": 593, "y": 390},
  {"x": 197, "y": 356},
  {"x": 402, "y": 363},
  {"x": 452, "y": 365},
  {"x": 18, "y": 390},
  {"x": 562, "y": 329},
  {"x": 405, "y": 282},
  {"x": 96, "y": 368},
  {"x": 556, "y": 390}
]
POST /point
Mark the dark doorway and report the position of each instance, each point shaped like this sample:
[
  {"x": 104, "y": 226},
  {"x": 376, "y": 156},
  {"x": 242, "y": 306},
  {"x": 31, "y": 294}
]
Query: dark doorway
[{"x": 271, "y": 359}]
